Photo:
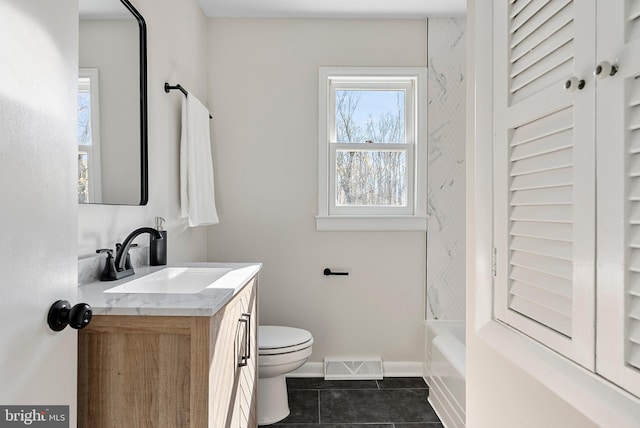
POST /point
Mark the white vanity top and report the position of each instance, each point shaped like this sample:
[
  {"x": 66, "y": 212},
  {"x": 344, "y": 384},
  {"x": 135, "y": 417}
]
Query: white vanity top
[{"x": 205, "y": 302}]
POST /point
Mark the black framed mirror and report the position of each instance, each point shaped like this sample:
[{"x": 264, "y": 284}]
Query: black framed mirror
[{"x": 112, "y": 104}]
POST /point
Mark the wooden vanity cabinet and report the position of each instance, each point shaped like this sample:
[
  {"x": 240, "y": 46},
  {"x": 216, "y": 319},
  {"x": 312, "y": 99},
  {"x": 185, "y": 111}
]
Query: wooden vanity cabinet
[{"x": 171, "y": 371}]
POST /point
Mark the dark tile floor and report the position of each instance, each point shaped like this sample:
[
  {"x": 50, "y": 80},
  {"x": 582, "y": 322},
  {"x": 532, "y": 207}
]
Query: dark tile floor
[{"x": 389, "y": 403}]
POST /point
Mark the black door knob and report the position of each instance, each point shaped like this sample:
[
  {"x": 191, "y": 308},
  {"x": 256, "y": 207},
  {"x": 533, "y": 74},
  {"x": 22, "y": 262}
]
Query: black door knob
[{"x": 62, "y": 314}]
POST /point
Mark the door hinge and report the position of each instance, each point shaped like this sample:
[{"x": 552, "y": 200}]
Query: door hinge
[{"x": 494, "y": 261}]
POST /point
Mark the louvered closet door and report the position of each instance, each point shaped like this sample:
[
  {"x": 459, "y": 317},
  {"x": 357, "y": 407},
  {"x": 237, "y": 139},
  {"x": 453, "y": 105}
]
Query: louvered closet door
[
  {"x": 544, "y": 181},
  {"x": 618, "y": 148}
]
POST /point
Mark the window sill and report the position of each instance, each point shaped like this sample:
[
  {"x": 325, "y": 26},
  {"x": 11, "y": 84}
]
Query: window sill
[
  {"x": 601, "y": 401},
  {"x": 370, "y": 223}
]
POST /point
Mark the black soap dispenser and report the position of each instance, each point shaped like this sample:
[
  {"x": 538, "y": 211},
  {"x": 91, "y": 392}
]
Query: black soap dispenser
[{"x": 158, "y": 247}]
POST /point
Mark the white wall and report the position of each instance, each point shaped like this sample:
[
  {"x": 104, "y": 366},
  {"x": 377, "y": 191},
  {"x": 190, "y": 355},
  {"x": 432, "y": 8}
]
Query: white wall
[
  {"x": 176, "y": 34},
  {"x": 499, "y": 394},
  {"x": 264, "y": 97}
]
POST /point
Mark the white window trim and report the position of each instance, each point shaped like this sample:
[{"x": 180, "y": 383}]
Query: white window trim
[
  {"x": 598, "y": 399},
  {"x": 413, "y": 218}
]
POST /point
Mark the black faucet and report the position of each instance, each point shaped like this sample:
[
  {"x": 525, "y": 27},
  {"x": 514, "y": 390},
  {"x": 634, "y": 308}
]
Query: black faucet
[{"x": 122, "y": 270}]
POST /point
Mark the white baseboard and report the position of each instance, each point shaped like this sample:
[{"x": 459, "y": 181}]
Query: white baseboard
[
  {"x": 308, "y": 369},
  {"x": 402, "y": 369},
  {"x": 390, "y": 369}
]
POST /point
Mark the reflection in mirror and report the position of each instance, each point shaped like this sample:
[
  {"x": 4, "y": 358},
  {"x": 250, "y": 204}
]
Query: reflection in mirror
[
  {"x": 89, "y": 175},
  {"x": 112, "y": 146}
]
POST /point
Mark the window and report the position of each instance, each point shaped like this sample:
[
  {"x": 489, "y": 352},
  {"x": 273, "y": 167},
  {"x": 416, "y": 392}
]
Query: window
[
  {"x": 372, "y": 149},
  {"x": 89, "y": 183}
]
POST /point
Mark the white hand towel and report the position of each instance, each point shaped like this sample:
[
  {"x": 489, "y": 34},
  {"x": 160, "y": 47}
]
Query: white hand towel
[{"x": 197, "y": 198}]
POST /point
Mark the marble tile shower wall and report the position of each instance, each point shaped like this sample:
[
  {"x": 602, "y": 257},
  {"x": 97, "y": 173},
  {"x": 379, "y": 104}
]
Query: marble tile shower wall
[{"x": 446, "y": 173}]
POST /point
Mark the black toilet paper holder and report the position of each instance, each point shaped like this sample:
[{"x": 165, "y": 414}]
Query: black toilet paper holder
[{"x": 328, "y": 272}]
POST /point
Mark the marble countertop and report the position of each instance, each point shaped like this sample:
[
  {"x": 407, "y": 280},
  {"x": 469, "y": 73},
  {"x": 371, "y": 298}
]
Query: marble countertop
[{"x": 205, "y": 303}]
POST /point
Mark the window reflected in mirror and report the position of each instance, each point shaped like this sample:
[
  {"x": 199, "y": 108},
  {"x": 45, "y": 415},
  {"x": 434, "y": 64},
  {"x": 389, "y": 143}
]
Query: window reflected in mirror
[{"x": 89, "y": 186}]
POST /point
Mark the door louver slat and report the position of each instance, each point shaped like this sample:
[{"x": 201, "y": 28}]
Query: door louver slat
[
  {"x": 560, "y": 250},
  {"x": 545, "y": 179},
  {"x": 634, "y": 118},
  {"x": 634, "y": 260},
  {"x": 634, "y": 142},
  {"x": 545, "y": 162},
  {"x": 541, "y": 127},
  {"x": 547, "y": 144},
  {"x": 552, "y": 231},
  {"x": 634, "y": 289},
  {"x": 551, "y": 196},
  {"x": 548, "y": 265},
  {"x": 634, "y": 189},
  {"x": 555, "y": 213},
  {"x": 634, "y": 166},
  {"x": 552, "y": 301},
  {"x": 517, "y": 6},
  {"x": 538, "y": 313},
  {"x": 553, "y": 285},
  {"x": 634, "y": 237},
  {"x": 633, "y": 17}
]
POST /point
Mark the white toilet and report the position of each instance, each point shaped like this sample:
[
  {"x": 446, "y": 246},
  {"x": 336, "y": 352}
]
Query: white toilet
[{"x": 280, "y": 351}]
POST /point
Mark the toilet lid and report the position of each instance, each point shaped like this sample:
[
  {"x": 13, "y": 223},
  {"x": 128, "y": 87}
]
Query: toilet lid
[{"x": 273, "y": 339}]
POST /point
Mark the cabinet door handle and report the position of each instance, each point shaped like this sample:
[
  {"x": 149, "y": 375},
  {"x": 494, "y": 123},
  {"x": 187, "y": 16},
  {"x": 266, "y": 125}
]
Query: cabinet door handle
[
  {"x": 248, "y": 337},
  {"x": 573, "y": 83},
  {"x": 244, "y": 359},
  {"x": 605, "y": 69}
]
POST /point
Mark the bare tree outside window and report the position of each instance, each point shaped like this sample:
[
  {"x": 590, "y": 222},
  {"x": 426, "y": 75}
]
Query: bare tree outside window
[
  {"x": 84, "y": 139},
  {"x": 370, "y": 175}
]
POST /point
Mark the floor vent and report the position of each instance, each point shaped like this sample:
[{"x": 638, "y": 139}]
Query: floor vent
[{"x": 340, "y": 369}]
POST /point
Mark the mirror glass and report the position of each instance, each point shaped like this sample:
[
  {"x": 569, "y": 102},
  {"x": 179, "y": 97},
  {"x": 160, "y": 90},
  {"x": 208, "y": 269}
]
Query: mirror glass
[{"x": 112, "y": 128}]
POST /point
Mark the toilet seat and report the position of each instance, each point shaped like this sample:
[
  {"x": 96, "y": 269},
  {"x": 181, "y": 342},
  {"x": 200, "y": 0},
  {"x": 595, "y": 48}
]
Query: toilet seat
[{"x": 276, "y": 340}]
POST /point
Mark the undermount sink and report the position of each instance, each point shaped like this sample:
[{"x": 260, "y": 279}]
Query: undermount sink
[{"x": 176, "y": 280}]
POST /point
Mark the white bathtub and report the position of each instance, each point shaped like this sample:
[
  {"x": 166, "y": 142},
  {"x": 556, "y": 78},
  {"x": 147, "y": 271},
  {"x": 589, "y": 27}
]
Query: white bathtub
[{"x": 444, "y": 370}]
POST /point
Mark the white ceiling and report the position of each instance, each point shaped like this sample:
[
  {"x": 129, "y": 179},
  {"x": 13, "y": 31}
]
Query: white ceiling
[
  {"x": 299, "y": 8},
  {"x": 333, "y": 8}
]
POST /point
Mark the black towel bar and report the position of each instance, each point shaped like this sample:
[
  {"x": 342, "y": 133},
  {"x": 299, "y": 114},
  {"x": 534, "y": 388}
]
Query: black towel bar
[{"x": 168, "y": 88}]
